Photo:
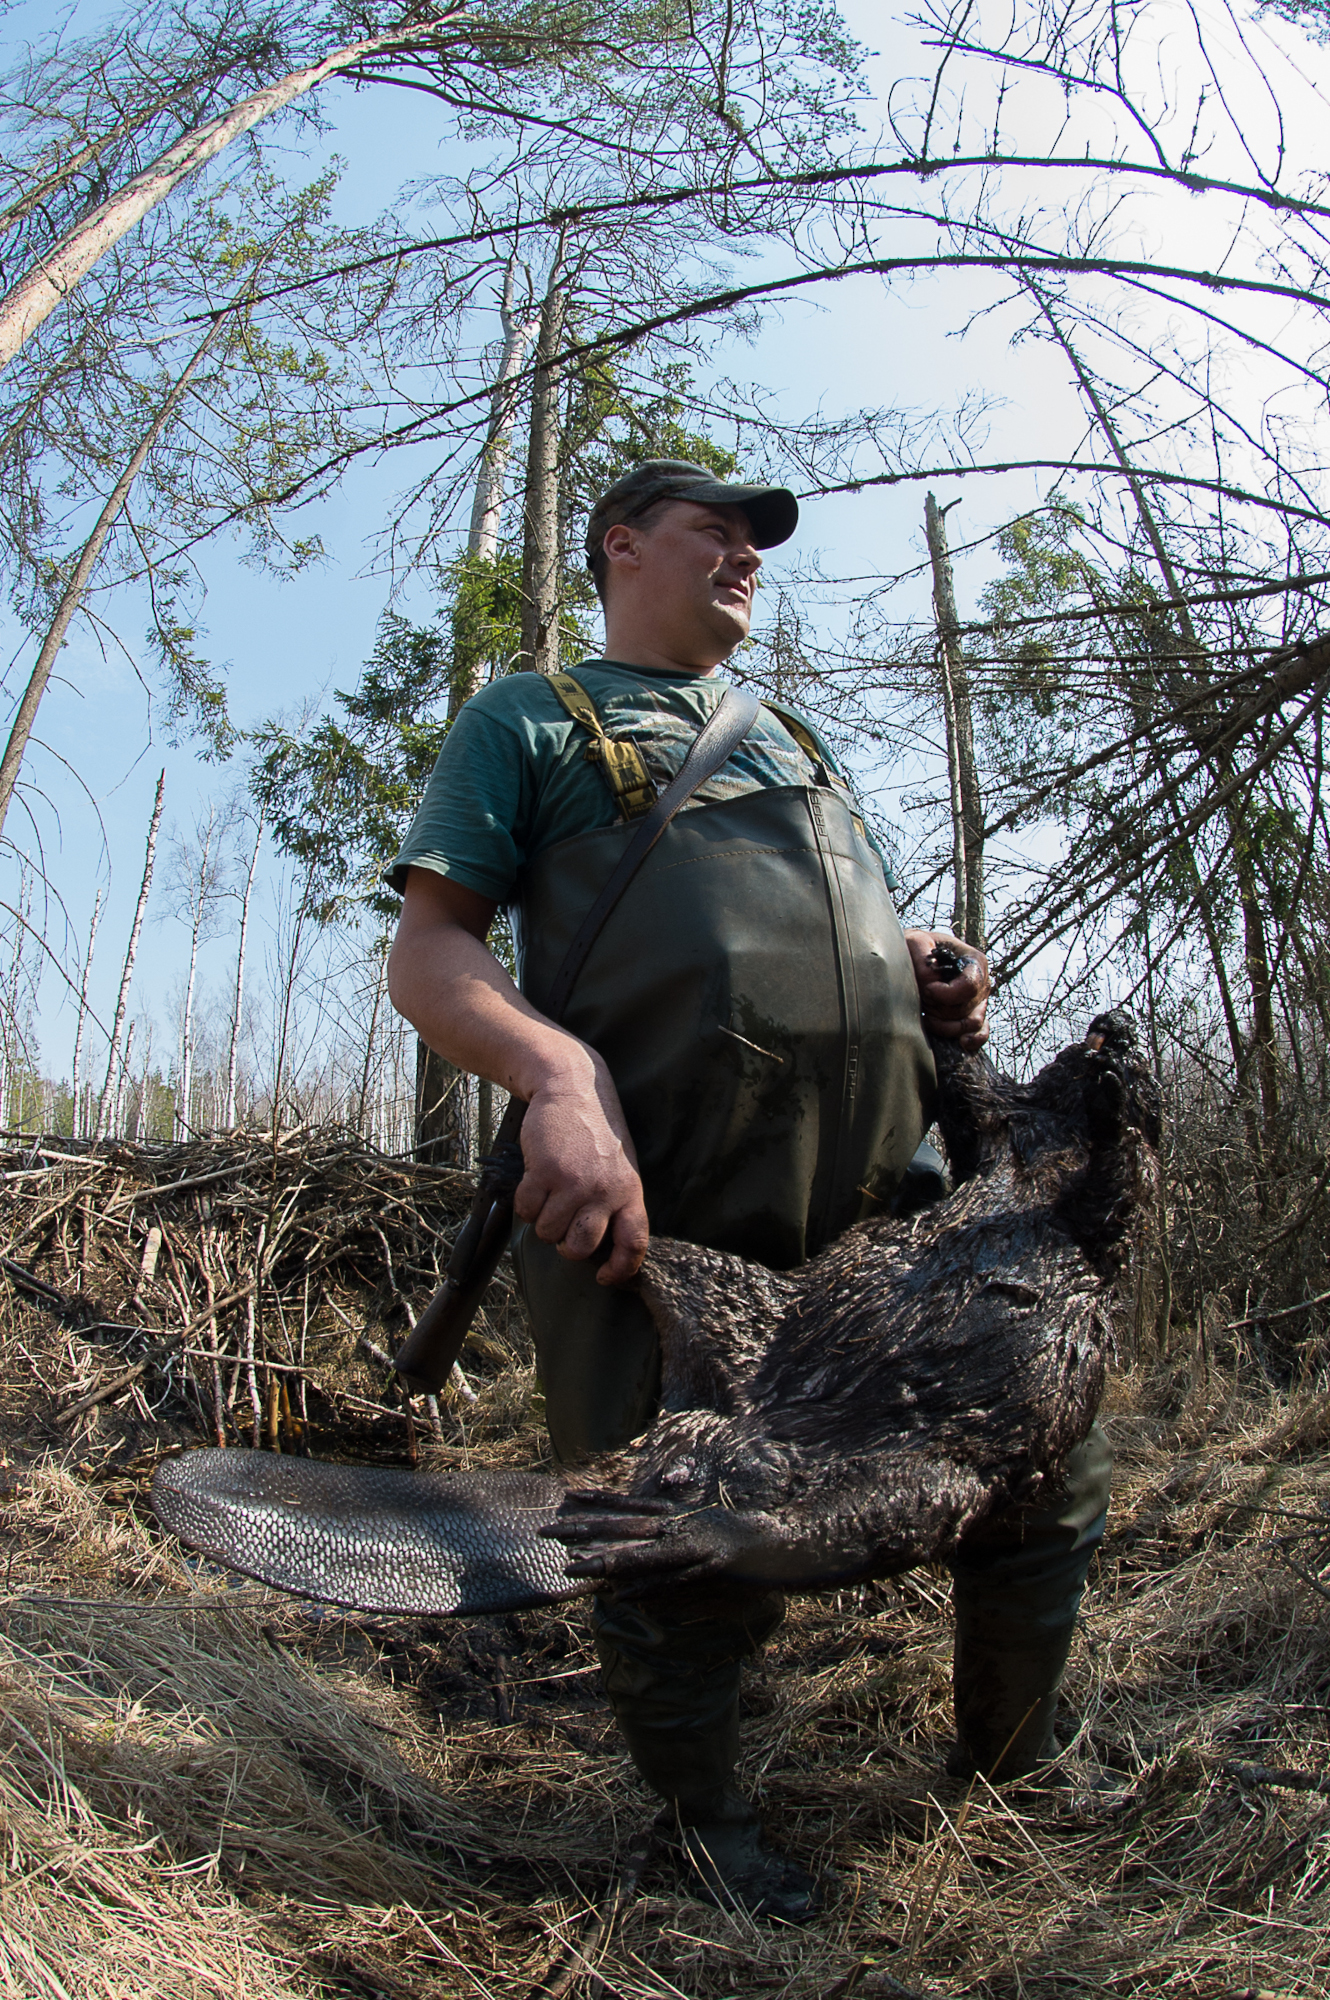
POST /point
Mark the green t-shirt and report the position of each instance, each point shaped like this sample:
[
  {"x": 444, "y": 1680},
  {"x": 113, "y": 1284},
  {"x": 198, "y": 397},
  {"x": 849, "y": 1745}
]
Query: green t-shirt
[{"x": 513, "y": 777}]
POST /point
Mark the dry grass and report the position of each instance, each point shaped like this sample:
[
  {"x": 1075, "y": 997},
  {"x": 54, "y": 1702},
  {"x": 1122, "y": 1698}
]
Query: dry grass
[{"x": 209, "y": 1790}]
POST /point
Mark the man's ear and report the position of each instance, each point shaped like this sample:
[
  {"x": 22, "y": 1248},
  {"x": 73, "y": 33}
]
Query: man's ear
[{"x": 621, "y": 542}]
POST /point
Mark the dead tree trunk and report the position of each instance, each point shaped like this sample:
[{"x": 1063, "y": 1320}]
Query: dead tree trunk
[
  {"x": 67, "y": 262},
  {"x": 482, "y": 542},
  {"x": 967, "y": 815},
  {"x": 442, "y": 1138},
  {"x": 105, "y": 1101},
  {"x": 443, "y": 1093},
  {"x": 540, "y": 511},
  {"x": 77, "y": 587}
]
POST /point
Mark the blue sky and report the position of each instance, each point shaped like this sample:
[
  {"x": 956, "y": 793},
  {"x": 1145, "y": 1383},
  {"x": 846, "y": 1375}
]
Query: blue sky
[{"x": 283, "y": 642}]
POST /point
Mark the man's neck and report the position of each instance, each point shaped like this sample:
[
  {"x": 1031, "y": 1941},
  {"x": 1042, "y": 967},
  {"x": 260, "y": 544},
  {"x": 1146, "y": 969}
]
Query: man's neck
[{"x": 629, "y": 652}]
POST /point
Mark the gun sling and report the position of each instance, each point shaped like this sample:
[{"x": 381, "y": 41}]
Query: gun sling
[{"x": 426, "y": 1358}]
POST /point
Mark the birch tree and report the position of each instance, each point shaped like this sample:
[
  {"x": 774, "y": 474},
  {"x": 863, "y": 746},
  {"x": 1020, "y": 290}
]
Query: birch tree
[
  {"x": 197, "y": 885},
  {"x": 77, "y": 1116},
  {"x": 106, "y": 1100},
  {"x": 238, "y": 990}
]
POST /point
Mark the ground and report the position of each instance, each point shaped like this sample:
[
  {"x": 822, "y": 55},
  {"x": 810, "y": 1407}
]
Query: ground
[{"x": 211, "y": 1789}]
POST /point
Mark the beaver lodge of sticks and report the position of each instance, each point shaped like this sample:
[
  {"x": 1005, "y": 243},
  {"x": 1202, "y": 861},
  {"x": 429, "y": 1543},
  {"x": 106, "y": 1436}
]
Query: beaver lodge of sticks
[{"x": 847, "y": 1420}]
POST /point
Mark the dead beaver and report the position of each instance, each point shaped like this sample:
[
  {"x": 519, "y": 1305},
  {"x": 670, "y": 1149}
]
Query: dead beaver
[{"x": 845, "y": 1420}]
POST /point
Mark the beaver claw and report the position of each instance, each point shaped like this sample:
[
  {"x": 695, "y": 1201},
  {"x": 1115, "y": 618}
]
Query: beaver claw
[{"x": 666, "y": 1543}]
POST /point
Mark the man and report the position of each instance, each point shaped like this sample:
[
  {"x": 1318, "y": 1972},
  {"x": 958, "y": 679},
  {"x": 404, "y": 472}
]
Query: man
[{"x": 743, "y": 1064}]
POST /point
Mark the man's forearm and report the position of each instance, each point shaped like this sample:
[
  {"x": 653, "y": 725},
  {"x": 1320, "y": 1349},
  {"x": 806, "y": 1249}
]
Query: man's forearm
[
  {"x": 464, "y": 1004},
  {"x": 581, "y": 1178}
]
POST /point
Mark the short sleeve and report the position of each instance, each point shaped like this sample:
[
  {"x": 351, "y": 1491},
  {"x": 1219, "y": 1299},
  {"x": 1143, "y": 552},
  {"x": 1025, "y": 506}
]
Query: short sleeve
[{"x": 475, "y": 804}]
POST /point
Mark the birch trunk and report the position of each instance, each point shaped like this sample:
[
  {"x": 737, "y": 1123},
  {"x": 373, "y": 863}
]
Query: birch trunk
[
  {"x": 55, "y": 276},
  {"x": 76, "y": 1066},
  {"x": 290, "y": 975},
  {"x": 482, "y": 539},
  {"x": 380, "y": 986},
  {"x": 233, "y": 1046},
  {"x": 197, "y": 917},
  {"x": 117, "y": 1119},
  {"x": 141, "y": 1102},
  {"x": 967, "y": 816},
  {"x": 540, "y": 512},
  {"x": 122, "y": 998},
  {"x": 9, "y": 1013},
  {"x": 182, "y": 1118},
  {"x": 76, "y": 590}
]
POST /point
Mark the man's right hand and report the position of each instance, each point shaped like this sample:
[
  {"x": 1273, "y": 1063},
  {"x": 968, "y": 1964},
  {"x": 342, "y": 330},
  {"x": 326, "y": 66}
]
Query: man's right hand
[{"x": 581, "y": 1186}]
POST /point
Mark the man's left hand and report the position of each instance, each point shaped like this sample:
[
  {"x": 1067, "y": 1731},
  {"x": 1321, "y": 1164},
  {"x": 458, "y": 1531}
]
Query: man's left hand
[{"x": 954, "y": 1009}]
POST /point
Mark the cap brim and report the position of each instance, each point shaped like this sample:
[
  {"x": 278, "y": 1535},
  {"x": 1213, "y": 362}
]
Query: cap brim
[{"x": 773, "y": 511}]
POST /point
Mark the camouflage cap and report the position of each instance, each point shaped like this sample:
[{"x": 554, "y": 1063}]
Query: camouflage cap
[{"x": 773, "y": 511}]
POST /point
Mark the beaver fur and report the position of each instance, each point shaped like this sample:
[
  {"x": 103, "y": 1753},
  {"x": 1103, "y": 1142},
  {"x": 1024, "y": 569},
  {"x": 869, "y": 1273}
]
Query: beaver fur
[
  {"x": 855, "y": 1416},
  {"x": 847, "y": 1419}
]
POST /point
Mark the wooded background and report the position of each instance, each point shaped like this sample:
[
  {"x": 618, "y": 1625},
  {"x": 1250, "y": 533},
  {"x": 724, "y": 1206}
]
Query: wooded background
[{"x": 1099, "y": 753}]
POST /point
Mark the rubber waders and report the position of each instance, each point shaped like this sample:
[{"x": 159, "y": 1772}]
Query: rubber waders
[
  {"x": 754, "y": 999},
  {"x": 1017, "y": 1592},
  {"x": 671, "y": 1665}
]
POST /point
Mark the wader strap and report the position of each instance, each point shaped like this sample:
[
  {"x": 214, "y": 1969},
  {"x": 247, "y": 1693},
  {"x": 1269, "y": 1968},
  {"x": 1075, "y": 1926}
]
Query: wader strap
[
  {"x": 812, "y": 749},
  {"x": 619, "y": 758},
  {"x": 734, "y": 716}
]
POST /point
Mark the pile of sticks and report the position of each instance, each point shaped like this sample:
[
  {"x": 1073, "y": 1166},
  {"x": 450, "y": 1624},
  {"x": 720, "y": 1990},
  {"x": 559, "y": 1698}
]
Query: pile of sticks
[{"x": 243, "y": 1269}]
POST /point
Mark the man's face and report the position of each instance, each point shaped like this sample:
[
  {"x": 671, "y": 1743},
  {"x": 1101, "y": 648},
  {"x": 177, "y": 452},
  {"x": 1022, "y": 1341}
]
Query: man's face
[{"x": 693, "y": 571}]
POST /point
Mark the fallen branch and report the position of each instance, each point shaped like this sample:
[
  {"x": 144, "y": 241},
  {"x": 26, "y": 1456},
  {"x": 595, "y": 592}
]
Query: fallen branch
[
  {"x": 131, "y": 1375},
  {"x": 1280, "y": 1779},
  {"x": 29, "y": 1282},
  {"x": 575, "y": 1958},
  {"x": 150, "y": 1359},
  {"x": 1285, "y": 1312}
]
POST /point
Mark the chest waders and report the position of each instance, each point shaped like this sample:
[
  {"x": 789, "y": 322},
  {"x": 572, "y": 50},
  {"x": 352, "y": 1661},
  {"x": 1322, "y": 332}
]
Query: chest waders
[{"x": 754, "y": 999}]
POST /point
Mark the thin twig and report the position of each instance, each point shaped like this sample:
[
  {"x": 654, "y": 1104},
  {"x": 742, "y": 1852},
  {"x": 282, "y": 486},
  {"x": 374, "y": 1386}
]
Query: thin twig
[
  {"x": 1285, "y": 1312},
  {"x": 576, "y": 1958}
]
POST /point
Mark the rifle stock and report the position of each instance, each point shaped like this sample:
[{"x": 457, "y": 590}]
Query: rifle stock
[{"x": 425, "y": 1359}]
